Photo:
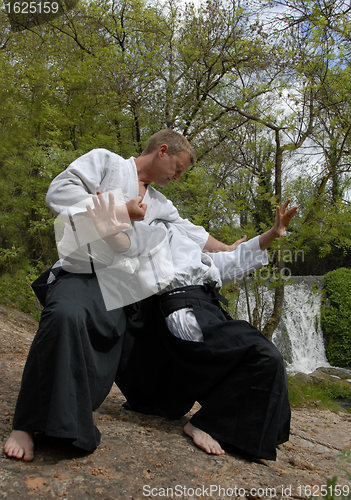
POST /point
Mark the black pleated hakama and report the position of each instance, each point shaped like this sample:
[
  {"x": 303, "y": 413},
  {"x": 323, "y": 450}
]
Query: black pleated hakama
[
  {"x": 237, "y": 375},
  {"x": 72, "y": 362}
]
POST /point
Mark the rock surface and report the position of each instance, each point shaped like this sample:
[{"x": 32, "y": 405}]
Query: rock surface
[
  {"x": 148, "y": 457},
  {"x": 327, "y": 376}
]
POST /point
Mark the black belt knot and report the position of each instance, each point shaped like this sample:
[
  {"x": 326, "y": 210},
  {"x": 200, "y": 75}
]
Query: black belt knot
[{"x": 182, "y": 297}]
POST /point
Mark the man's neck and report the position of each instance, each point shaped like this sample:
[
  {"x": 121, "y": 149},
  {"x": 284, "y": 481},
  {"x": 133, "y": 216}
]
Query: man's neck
[
  {"x": 143, "y": 164},
  {"x": 142, "y": 189}
]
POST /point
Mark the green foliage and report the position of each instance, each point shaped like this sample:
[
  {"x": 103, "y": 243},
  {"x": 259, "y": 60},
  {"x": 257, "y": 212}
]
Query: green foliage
[
  {"x": 334, "y": 490},
  {"x": 346, "y": 457},
  {"x": 231, "y": 291},
  {"x": 16, "y": 292},
  {"x": 202, "y": 199},
  {"x": 325, "y": 240},
  {"x": 307, "y": 394},
  {"x": 108, "y": 74},
  {"x": 336, "y": 316}
]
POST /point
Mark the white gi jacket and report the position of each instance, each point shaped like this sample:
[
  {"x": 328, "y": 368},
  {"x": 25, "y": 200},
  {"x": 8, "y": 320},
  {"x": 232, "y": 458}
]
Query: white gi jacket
[
  {"x": 81, "y": 249},
  {"x": 101, "y": 170},
  {"x": 174, "y": 244}
]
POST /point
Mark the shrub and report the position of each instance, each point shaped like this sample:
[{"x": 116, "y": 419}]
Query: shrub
[
  {"x": 336, "y": 316},
  {"x": 16, "y": 292}
]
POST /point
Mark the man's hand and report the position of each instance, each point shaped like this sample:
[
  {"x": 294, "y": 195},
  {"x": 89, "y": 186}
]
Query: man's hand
[
  {"x": 283, "y": 218},
  {"x": 237, "y": 243},
  {"x": 104, "y": 216},
  {"x": 213, "y": 245},
  {"x": 136, "y": 209}
]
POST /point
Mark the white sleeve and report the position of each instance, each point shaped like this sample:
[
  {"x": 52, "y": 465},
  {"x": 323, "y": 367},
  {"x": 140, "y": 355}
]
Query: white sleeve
[
  {"x": 195, "y": 233},
  {"x": 159, "y": 207},
  {"x": 81, "y": 179},
  {"x": 245, "y": 258}
]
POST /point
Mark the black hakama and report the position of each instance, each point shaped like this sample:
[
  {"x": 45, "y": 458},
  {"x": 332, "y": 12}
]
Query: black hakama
[
  {"x": 237, "y": 375},
  {"x": 72, "y": 362}
]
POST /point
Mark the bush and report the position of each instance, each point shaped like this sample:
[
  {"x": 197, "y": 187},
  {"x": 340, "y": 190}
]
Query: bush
[
  {"x": 16, "y": 292},
  {"x": 336, "y": 316}
]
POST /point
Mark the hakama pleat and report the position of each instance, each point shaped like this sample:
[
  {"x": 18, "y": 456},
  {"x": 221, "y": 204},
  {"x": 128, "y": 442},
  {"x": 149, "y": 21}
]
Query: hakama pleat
[
  {"x": 236, "y": 374},
  {"x": 72, "y": 362}
]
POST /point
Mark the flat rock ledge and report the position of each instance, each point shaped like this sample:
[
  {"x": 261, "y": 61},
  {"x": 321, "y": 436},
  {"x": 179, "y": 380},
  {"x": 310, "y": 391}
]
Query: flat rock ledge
[{"x": 149, "y": 457}]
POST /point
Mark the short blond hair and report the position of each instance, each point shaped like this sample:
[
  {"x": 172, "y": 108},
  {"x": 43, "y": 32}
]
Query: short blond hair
[{"x": 176, "y": 143}]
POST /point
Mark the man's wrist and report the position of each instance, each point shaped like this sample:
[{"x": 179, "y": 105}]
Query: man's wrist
[
  {"x": 119, "y": 242},
  {"x": 275, "y": 233},
  {"x": 268, "y": 237}
]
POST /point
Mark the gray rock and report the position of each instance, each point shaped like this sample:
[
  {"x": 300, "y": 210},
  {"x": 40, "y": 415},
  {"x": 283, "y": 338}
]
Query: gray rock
[
  {"x": 343, "y": 373},
  {"x": 322, "y": 376},
  {"x": 325, "y": 376}
]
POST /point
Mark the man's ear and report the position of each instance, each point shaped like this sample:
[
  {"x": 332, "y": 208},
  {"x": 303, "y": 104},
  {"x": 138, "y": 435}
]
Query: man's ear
[{"x": 162, "y": 150}]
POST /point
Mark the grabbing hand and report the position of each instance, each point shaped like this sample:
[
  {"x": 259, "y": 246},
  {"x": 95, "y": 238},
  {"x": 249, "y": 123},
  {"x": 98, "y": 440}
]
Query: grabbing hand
[
  {"x": 136, "y": 209},
  {"x": 104, "y": 216},
  {"x": 283, "y": 218},
  {"x": 237, "y": 243}
]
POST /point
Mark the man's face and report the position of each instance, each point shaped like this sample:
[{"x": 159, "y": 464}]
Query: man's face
[{"x": 169, "y": 168}]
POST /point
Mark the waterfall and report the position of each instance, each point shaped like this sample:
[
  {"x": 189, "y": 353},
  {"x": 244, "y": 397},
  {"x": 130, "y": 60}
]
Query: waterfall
[
  {"x": 299, "y": 332},
  {"x": 299, "y": 335}
]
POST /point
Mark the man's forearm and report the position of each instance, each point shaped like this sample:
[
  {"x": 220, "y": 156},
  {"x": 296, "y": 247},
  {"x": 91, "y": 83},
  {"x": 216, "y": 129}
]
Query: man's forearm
[
  {"x": 119, "y": 242},
  {"x": 267, "y": 238},
  {"x": 213, "y": 245}
]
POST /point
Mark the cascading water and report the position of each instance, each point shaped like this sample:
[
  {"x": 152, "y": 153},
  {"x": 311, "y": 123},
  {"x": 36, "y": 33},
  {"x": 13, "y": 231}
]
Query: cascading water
[
  {"x": 299, "y": 330},
  {"x": 299, "y": 335}
]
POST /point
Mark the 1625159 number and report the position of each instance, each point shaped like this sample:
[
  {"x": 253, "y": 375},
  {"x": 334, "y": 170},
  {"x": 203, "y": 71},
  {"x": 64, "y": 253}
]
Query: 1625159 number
[
  {"x": 31, "y": 7},
  {"x": 324, "y": 490}
]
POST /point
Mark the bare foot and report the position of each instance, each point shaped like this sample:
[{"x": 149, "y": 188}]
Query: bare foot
[
  {"x": 203, "y": 440},
  {"x": 20, "y": 444}
]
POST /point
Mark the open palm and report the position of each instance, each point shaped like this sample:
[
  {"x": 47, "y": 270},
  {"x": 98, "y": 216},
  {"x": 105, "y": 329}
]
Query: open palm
[
  {"x": 283, "y": 217},
  {"x": 104, "y": 216}
]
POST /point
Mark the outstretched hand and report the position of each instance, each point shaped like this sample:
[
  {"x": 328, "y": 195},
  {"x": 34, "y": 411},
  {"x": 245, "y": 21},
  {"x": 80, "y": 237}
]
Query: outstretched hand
[
  {"x": 104, "y": 216},
  {"x": 283, "y": 218},
  {"x": 237, "y": 243}
]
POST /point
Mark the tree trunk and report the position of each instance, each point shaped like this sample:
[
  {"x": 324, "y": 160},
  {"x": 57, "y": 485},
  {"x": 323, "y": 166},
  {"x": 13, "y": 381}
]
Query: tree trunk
[{"x": 274, "y": 319}]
